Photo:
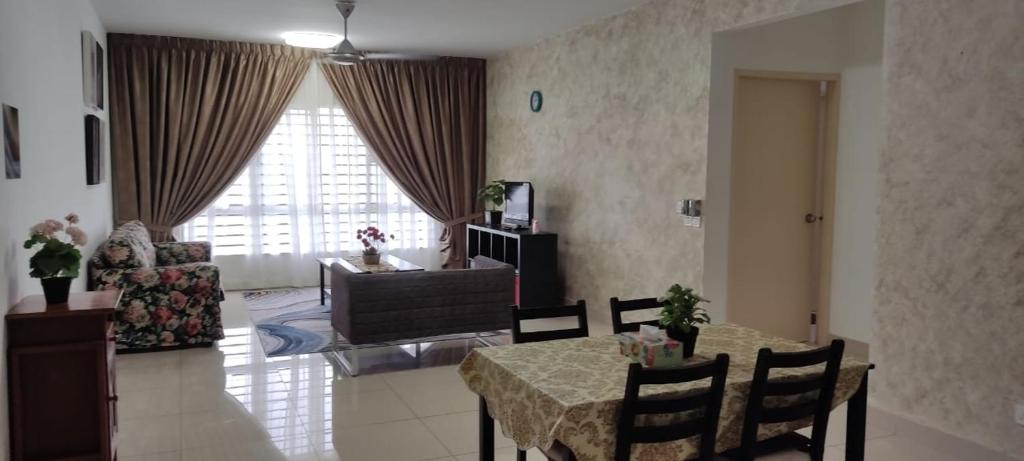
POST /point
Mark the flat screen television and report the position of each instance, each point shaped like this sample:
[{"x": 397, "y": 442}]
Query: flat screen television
[{"x": 518, "y": 204}]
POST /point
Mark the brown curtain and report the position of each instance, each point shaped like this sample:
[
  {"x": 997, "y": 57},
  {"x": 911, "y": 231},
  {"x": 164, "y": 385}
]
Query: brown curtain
[
  {"x": 186, "y": 116},
  {"x": 425, "y": 121}
]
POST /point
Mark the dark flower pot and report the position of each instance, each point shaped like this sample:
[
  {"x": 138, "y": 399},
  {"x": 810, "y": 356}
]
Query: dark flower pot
[
  {"x": 56, "y": 289},
  {"x": 492, "y": 218},
  {"x": 371, "y": 260},
  {"x": 689, "y": 340}
]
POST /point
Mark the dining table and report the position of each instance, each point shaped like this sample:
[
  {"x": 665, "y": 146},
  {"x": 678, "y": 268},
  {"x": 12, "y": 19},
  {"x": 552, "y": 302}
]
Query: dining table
[{"x": 570, "y": 391}]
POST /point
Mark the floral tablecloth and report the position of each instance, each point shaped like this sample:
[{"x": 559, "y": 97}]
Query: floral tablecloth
[{"x": 571, "y": 390}]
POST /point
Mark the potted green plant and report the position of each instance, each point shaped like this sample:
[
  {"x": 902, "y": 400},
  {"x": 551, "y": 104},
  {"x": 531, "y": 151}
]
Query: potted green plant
[
  {"x": 57, "y": 261},
  {"x": 681, "y": 314},
  {"x": 373, "y": 240},
  {"x": 493, "y": 196}
]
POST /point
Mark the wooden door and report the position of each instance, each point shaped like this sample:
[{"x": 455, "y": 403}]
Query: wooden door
[{"x": 776, "y": 202}]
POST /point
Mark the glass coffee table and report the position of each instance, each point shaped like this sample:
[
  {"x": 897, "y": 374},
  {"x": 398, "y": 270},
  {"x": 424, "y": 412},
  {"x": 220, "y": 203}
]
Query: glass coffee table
[{"x": 399, "y": 265}]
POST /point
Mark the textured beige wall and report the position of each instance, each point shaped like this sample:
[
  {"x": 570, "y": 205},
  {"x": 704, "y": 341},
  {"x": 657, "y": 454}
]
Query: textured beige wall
[
  {"x": 950, "y": 296},
  {"x": 623, "y": 136}
]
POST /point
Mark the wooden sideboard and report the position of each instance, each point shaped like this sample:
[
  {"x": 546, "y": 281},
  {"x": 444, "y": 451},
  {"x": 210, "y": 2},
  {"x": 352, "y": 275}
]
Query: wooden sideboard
[{"x": 61, "y": 383}]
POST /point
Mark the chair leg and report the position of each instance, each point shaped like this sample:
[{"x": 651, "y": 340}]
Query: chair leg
[{"x": 816, "y": 447}]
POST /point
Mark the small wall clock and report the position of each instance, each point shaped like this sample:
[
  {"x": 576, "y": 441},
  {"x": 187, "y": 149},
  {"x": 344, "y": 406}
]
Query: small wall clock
[{"x": 536, "y": 100}]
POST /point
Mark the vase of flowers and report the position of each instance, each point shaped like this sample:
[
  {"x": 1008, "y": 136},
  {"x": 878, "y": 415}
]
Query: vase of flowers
[
  {"x": 373, "y": 241},
  {"x": 57, "y": 260},
  {"x": 681, "y": 314},
  {"x": 493, "y": 196}
]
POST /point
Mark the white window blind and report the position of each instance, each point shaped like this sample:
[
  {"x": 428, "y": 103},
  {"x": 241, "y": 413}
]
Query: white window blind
[{"x": 310, "y": 187}]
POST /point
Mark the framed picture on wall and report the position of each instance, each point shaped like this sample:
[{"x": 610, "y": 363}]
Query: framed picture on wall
[
  {"x": 11, "y": 142},
  {"x": 89, "y": 47},
  {"x": 93, "y": 150},
  {"x": 99, "y": 69}
]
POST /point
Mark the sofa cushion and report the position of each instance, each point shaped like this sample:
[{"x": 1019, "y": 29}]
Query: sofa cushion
[{"x": 128, "y": 247}]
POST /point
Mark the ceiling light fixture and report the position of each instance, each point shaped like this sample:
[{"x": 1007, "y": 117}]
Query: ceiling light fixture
[{"x": 303, "y": 39}]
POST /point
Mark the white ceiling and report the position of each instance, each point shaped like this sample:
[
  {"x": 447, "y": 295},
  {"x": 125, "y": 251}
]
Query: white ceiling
[{"x": 478, "y": 28}]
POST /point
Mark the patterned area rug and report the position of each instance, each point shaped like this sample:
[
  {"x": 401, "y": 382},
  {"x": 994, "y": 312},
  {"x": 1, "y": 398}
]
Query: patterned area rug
[{"x": 291, "y": 321}]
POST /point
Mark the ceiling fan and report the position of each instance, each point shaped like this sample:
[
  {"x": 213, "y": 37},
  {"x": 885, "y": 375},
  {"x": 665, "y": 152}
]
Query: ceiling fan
[{"x": 346, "y": 54}]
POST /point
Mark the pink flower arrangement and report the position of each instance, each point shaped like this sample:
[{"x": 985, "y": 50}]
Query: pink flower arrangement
[
  {"x": 372, "y": 239},
  {"x": 57, "y": 255}
]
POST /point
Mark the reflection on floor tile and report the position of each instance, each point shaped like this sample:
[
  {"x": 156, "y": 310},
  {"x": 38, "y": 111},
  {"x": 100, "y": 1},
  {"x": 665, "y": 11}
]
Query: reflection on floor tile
[
  {"x": 396, "y": 441},
  {"x": 253, "y": 451},
  {"x": 156, "y": 434},
  {"x": 433, "y": 391},
  {"x": 230, "y": 402},
  {"x": 458, "y": 432},
  {"x": 369, "y": 407},
  {"x": 168, "y": 456}
]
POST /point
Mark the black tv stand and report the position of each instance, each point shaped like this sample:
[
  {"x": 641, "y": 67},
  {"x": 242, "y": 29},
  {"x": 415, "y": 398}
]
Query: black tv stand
[{"x": 534, "y": 255}]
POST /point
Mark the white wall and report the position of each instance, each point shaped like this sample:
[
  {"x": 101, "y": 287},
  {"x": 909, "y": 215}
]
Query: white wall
[
  {"x": 41, "y": 75},
  {"x": 848, "y": 41},
  {"x": 857, "y": 190}
]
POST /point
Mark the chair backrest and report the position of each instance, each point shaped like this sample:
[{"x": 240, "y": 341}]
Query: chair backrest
[
  {"x": 578, "y": 310},
  {"x": 709, "y": 400},
  {"x": 805, "y": 404},
  {"x": 620, "y": 306}
]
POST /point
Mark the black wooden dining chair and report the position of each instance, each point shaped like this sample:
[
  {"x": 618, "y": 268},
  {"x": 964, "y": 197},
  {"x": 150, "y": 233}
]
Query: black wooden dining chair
[
  {"x": 811, "y": 396},
  {"x": 578, "y": 310},
  {"x": 707, "y": 401},
  {"x": 620, "y": 306}
]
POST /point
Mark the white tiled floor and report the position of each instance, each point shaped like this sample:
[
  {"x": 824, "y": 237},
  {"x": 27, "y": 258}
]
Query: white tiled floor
[{"x": 232, "y": 403}]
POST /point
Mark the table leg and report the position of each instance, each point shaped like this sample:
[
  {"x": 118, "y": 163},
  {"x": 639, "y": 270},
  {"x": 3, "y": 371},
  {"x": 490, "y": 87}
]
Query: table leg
[
  {"x": 486, "y": 433},
  {"x": 323, "y": 300},
  {"x": 856, "y": 421}
]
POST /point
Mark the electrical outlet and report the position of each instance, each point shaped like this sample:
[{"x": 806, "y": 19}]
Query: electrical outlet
[{"x": 1018, "y": 415}]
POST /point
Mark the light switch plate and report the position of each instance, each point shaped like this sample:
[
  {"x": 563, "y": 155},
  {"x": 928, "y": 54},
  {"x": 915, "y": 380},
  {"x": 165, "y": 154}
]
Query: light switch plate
[{"x": 1018, "y": 415}]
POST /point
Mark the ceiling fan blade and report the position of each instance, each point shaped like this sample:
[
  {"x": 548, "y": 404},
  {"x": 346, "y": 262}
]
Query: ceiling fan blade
[
  {"x": 400, "y": 56},
  {"x": 345, "y": 53}
]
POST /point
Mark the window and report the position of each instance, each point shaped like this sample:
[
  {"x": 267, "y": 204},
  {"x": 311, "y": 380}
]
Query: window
[{"x": 309, "y": 188}]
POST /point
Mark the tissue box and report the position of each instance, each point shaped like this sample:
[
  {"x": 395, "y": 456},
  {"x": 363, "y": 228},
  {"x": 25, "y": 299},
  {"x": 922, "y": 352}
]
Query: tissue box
[{"x": 651, "y": 352}]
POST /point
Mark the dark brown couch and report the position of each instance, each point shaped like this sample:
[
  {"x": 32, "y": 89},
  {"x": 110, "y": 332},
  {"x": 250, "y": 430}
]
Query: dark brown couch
[{"x": 373, "y": 308}]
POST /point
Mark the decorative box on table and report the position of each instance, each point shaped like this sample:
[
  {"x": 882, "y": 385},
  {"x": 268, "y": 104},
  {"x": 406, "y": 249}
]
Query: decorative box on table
[{"x": 656, "y": 351}]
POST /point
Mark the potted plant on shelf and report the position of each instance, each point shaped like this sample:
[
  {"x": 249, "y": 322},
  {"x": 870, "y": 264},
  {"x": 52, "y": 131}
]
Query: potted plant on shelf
[
  {"x": 373, "y": 240},
  {"x": 681, "y": 314},
  {"x": 57, "y": 261},
  {"x": 493, "y": 196}
]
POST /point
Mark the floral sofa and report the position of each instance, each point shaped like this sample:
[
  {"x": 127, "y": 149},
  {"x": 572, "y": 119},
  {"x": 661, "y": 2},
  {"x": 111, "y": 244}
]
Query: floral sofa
[{"x": 171, "y": 294}]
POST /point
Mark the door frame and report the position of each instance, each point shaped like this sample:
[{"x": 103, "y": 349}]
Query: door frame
[{"x": 827, "y": 188}]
